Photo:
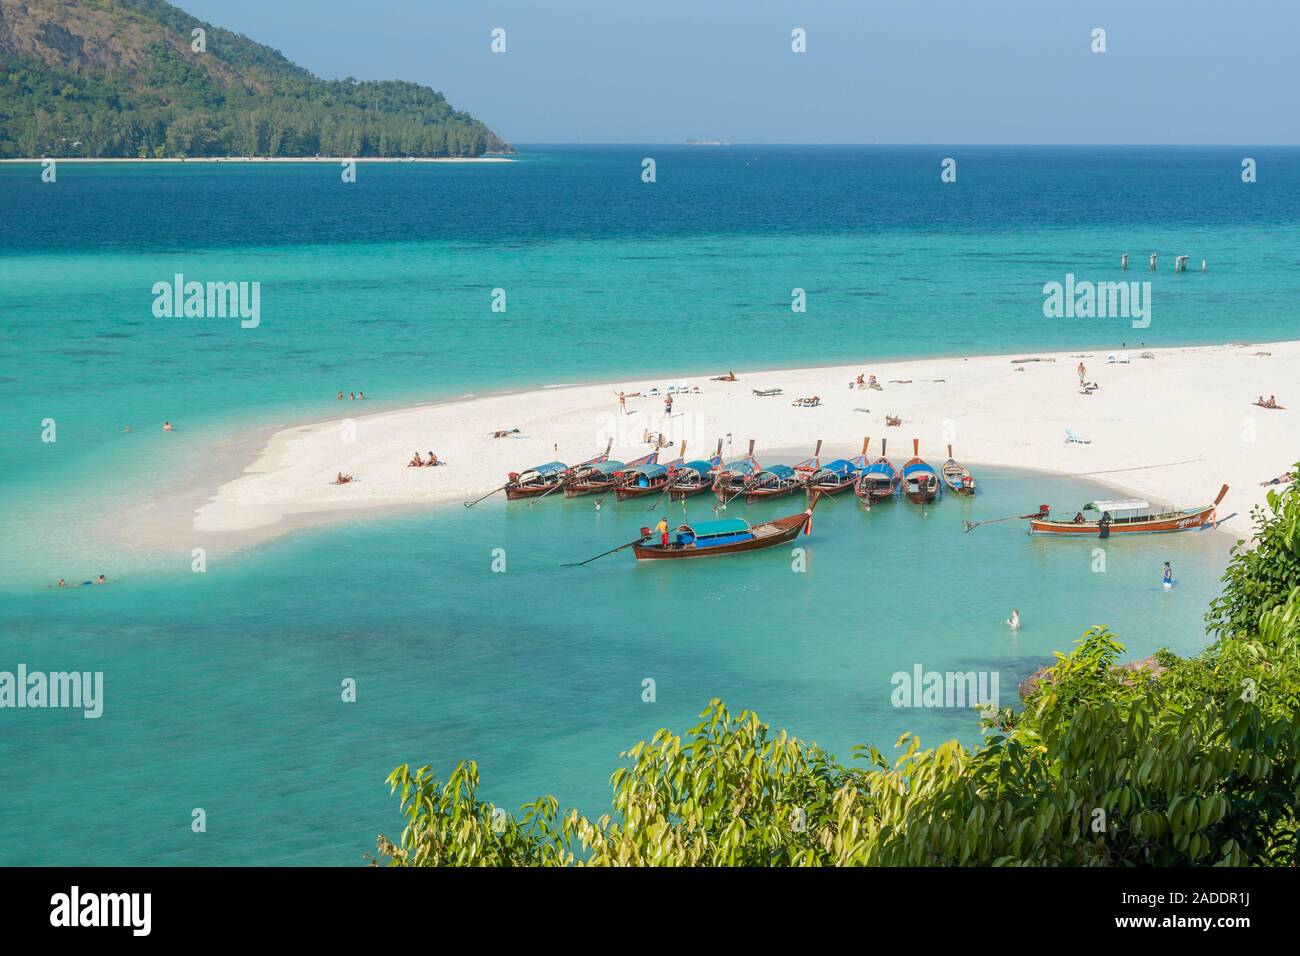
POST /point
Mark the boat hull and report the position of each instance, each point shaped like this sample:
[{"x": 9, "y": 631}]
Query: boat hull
[
  {"x": 769, "y": 534},
  {"x": 1193, "y": 519},
  {"x": 577, "y": 489},
  {"x": 636, "y": 491},
  {"x": 528, "y": 491}
]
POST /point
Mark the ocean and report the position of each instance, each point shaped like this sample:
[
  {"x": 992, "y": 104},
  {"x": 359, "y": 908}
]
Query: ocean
[{"x": 222, "y": 689}]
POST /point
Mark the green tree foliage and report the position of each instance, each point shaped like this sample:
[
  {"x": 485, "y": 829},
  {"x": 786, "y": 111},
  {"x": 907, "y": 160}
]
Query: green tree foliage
[
  {"x": 1191, "y": 762},
  {"x": 239, "y": 98},
  {"x": 1260, "y": 577}
]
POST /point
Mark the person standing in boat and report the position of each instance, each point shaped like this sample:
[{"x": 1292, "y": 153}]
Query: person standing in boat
[
  {"x": 662, "y": 530},
  {"x": 1168, "y": 578}
]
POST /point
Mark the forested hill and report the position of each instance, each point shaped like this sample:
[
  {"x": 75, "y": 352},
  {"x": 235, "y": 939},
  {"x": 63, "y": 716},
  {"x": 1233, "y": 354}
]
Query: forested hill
[{"x": 117, "y": 78}]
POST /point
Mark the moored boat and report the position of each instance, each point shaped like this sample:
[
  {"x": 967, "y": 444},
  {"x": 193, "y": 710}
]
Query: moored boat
[
  {"x": 724, "y": 536},
  {"x": 957, "y": 476},
  {"x": 879, "y": 480},
  {"x": 920, "y": 481},
  {"x": 1101, "y": 519},
  {"x": 731, "y": 479},
  {"x": 650, "y": 478},
  {"x": 536, "y": 480},
  {"x": 835, "y": 476},
  {"x": 694, "y": 477},
  {"x": 601, "y": 476}
]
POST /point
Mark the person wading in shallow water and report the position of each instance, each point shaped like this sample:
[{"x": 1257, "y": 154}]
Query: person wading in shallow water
[{"x": 1167, "y": 579}]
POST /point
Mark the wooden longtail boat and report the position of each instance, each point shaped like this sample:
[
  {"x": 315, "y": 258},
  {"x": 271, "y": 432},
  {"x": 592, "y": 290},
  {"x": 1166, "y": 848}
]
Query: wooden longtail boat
[
  {"x": 726, "y": 536},
  {"x": 879, "y": 480},
  {"x": 694, "y": 477},
  {"x": 648, "y": 479},
  {"x": 957, "y": 476},
  {"x": 835, "y": 476},
  {"x": 777, "y": 481},
  {"x": 536, "y": 480},
  {"x": 1101, "y": 519},
  {"x": 543, "y": 479},
  {"x": 602, "y": 476},
  {"x": 733, "y": 476},
  {"x": 920, "y": 480}
]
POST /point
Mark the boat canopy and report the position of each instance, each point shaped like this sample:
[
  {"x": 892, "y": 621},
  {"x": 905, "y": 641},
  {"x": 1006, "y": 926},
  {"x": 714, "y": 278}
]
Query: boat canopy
[
  {"x": 699, "y": 466},
  {"x": 745, "y": 466},
  {"x": 840, "y": 466},
  {"x": 650, "y": 471},
  {"x": 881, "y": 468},
  {"x": 780, "y": 472},
  {"x": 1123, "y": 504},
  {"x": 708, "y": 529},
  {"x": 607, "y": 467},
  {"x": 548, "y": 469},
  {"x": 919, "y": 467}
]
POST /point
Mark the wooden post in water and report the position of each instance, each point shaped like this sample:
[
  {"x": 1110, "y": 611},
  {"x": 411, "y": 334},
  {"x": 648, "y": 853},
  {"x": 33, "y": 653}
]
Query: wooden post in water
[
  {"x": 1202, "y": 265},
  {"x": 1180, "y": 263},
  {"x": 1153, "y": 262},
  {"x": 1123, "y": 262}
]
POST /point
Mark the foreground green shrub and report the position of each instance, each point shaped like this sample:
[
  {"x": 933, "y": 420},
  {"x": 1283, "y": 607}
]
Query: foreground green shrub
[{"x": 1193, "y": 762}]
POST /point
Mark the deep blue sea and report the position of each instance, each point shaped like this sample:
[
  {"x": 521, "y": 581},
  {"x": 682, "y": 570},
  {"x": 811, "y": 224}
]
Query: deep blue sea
[{"x": 223, "y": 688}]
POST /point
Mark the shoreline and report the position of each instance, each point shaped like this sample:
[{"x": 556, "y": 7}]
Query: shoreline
[{"x": 1170, "y": 428}]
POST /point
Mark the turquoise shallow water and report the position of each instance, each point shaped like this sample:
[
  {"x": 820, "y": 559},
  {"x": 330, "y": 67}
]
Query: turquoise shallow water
[{"x": 223, "y": 688}]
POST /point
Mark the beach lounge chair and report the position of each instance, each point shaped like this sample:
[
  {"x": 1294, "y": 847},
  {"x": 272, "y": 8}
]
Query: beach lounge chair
[
  {"x": 1112, "y": 358},
  {"x": 1123, "y": 358},
  {"x": 766, "y": 392},
  {"x": 1072, "y": 439}
]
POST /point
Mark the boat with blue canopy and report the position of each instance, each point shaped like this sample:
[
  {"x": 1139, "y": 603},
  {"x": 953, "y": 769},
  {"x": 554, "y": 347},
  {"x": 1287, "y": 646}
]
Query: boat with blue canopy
[
  {"x": 693, "y": 477},
  {"x": 879, "y": 480},
  {"x": 724, "y": 536},
  {"x": 920, "y": 481},
  {"x": 834, "y": 476},
  {"x": 602, "y": 475}
]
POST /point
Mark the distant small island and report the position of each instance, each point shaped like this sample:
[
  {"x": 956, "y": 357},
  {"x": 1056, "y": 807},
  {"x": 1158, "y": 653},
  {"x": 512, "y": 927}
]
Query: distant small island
[
  {"x": 706, "y": 142},
  {"x": 142, "y": 79}
]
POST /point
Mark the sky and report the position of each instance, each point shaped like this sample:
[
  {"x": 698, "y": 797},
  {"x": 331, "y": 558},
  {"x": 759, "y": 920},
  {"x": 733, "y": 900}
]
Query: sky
[{"x": 875, "y": 71}]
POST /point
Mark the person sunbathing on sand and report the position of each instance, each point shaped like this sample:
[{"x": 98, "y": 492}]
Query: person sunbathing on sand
[
  {"x": 415, "y": 461},
  {"x": 504, "y": 432},
  {"x": 433, "y": 460},
  {"x": 343, "y": 479},
  {"x": 1280, "y": 479}
]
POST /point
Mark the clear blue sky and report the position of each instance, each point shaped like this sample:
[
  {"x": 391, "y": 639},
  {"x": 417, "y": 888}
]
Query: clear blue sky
[{"x": 887, "y": 71}]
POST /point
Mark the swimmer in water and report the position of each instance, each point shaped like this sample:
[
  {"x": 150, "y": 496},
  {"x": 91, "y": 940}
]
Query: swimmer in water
[
  {"x": 167, "y": 426},
  {"x": 62, "y": 583},
  {"x": 102, "y": 580},
  {"x": 1013, "y": 621},
  {"x": 1168, "y": 578}
]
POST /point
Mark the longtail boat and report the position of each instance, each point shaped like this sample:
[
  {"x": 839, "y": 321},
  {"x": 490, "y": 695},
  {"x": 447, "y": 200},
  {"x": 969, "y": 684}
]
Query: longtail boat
[
  {"x": 725, "y": 536},
  {"x": 834, "y": 476},
  {"x": 650, "y": 478},
  {"x": 957, "y": 476},
  {"x": 733, "y": 476},
  {"x": 879, "y": 480},
  {"x": 695, "y": 476},
  {"x": 1101, "y": 519},
  {"x": 602, "y": 476},
  {"x": 536, "y": 480},
  {"x": 920, "y": 480},
  {"x": 543, "y": 479},
  {"x": 777, "y": 481}
]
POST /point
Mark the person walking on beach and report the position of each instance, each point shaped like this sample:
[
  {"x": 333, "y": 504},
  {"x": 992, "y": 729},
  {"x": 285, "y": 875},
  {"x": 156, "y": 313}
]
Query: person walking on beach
[
  {"x": 1168, "y": 579},
  {"x": 1083, "y": 372},
  {"x": 668, "y": 406},
  {"x": 622, "y": 403}
]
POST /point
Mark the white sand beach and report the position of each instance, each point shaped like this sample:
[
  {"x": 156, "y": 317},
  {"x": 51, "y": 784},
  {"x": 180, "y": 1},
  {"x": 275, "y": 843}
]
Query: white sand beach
[{"x": 1171, "y": 427}]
